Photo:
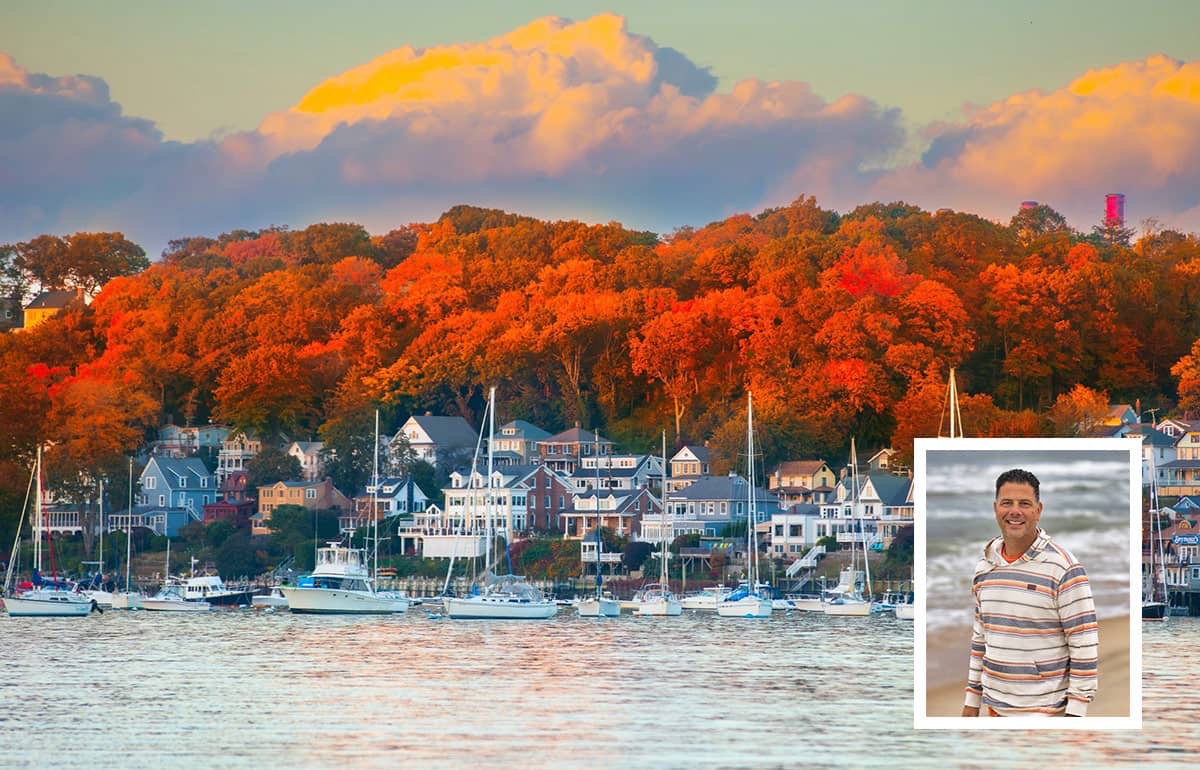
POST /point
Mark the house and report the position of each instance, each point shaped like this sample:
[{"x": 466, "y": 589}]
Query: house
[
  {"x": 49, "y": 304},
  {"x": 456, "y": 531},
  {"x": 176, "y": 441},
  {"x": 308, "y": 454},
  {"x": 563, "y": 451},
  {"x": 172, "y": 485},
  {"x": 237, "y": 449},
  {"x": 625, "y": 472},
  {"x": 708, "y": 505},
  {"x": 236, "y": 512},
  {"x": 802, "y": 481},
  {"x": 1175, "y": 428},
  {"x": 618, "y": 510},
  {"x": 439, "y": 441},
  {"x": 687, "y": 465},
  {"x": 793, "y": 531},
  {"x": 1158, "y": 449},
  {"x": 884, "y": 505},
  {"x": 391, "y": 497},
  {"x": 516, "y": 443},
  {"x": 548, "y": 495},
  {"x": 1121, "y": 414},
  {"x": 313, "y": 495},
  {"x": 11, "y": 316},
  {"x": 884, "y": 460},
  {"x": 233, "y": 488},
  {"x": 1183, "y": 473}
]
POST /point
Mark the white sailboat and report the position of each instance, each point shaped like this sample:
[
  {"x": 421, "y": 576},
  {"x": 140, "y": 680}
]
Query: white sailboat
[
  {"x": 505, "y": 597},
  {"x": 749, "y": 601},
  {"x": 341, "y": 582},
  {"x": 847, "y": 598},
  {"x": 96, "y": 591},
  {"x": 598, "y": 605},
  {"x": 656, "y": 599},
  {"x": 128, "y": 599},
  {"x": 1154, "y": 585},
  {"x": 43, "y": 598}
]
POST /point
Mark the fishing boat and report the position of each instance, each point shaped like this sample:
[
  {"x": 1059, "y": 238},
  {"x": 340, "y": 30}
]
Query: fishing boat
[
  {"x": 656, "y": 599},
  {"x": 128, "y": 599},
  {"x": 1154, "y": 584},
  {"x": 41, "y": 597},
  {"x": 211, "y": 589},
  {"x": 749, "y": 600},
  {"x": 501, "y": 597}
]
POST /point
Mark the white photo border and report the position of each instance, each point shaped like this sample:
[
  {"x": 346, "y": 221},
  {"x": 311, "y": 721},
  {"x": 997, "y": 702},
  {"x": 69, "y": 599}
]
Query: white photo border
[{"x": 1134, "y": 448}]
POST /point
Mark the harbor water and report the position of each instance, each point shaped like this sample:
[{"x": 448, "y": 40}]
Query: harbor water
[{"x": 253, "y": 689}]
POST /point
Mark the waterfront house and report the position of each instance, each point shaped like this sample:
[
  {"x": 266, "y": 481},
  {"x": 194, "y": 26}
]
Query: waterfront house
[
  {"x": 623, "y": 472},
  {"x": 618, "y": 510},
  {"x": 564, "y": 451},
  {"x": 236, "y": 512},
  {"x": 1183, "y": 473},
  {"x": 1174, "y": 427},
  {"x": 313, "y": 495},
  {"x": 439, "y": 441},
  {"x": 687, "y": 466},
  {"x": 884, "y": 506},
  {"x": 802, "y": 481},
  {"x": 708, "y": 505},
  {"x": 516, "y": 443},
  {"x": 392, "y": 497},
  {"x": 548, "y": 495},
  {"x": 170, "y": 486},
  {"x": 793, "y": 531},
  {"x": 308, "y": 454},
  {"x": 188, "y": 441},
  {"x": 456, "y": 530}
]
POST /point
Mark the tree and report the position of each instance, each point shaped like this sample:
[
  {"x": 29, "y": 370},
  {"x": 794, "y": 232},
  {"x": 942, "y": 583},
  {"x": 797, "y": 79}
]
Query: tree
[
  {"x": 236, "y": 556},
  {"x": 1188, "y": 371},
  {"x": 85, "y": 261},
  {"x": 271, "y": 465},
  {"x": 1030, "y": 224},
  {"x": 1078, "y": 412},
  {"x": 635, "y": 554}
]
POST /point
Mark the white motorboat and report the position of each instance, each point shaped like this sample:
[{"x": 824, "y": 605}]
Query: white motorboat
[
  {"x": 704, "y": 599},
  {"x": 803, "y": 602},
  {"x": 273, "y": 600},
  {"x": 341, "y": 583},
  {"x": 171, "y": 599},
  {"x": 211, "y": 589},
  {"x": 749, "y": 600},
  {"x": 598, "y": 607}
]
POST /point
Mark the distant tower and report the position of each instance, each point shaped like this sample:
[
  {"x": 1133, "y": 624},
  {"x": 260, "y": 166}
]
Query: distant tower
[
  {"x": 1114, "y": 209},
  {"x": 1026, "y": 205}
]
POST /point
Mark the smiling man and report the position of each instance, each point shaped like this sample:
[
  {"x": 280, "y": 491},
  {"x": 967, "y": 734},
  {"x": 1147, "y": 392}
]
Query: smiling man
[{"x": 1034, "y": 643}]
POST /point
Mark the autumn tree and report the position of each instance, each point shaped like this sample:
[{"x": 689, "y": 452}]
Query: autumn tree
[
  {"x": 1188, "y": 372},
  {"x": 1078, "y": 412}
]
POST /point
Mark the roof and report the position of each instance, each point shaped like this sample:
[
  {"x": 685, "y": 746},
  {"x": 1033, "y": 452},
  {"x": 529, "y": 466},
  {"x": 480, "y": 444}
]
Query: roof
[
  {"x": 446, "y": 431},
  {"x": 49, "y": 300},
  {"x": 799, "y": 467},
  {"x": 309, "y": 447},
  {"x": 701, "y": 453},
  {"x": 721, "y": 488},
  {"x": 525, "y": 430},
  {"x": 1151, "y": 436},
  {"x": 1181, "y": 464},
  {"x": 892, "y": 490},
  {"x": 180, "y": 467},
  {"x": 804, "y": 509},
  {"x": 574, "y": 435}
]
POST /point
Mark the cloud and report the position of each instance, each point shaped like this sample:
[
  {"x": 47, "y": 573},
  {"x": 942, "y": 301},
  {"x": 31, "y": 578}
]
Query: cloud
[
  {"x": 1132, "y": 127},
  {"x": 586, "y": 120}
]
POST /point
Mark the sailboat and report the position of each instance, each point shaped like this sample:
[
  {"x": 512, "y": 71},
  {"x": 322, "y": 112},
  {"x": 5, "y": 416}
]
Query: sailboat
[
  {"x": 749, "y": 601},
  {"x": 95, "y": 587},
  {"x": 44, "y": 598},
  {"x": 1154, "y": 584},
  {"x": 598, "y": 606},
  {"x": 509, "y": 596},
  {"x": 846, "y": 598},
  {"x": 656, "y": 599},
  {"x": 341, "y": 582},
  {"x": 128, "y": 599}
]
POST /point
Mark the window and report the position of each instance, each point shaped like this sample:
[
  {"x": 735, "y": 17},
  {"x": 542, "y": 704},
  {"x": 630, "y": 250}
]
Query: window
[
  {"x": 547, "y": 502},
  {"x": 148, "y": 482},
  {"x": 183, "y": 483},
  {"x": 162, "y": 499},
  {"x": 794, "y": 530},
  {"x": 310, "y": 494}
]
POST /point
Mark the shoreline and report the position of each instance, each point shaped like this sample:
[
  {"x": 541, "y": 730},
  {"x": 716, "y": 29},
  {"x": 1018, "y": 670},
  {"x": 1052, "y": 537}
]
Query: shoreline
[{"x": 946, "y": 660}]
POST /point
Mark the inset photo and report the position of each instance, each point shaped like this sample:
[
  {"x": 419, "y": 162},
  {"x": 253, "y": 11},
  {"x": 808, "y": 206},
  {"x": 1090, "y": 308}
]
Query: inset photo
[{"x": 1028, "y": 564}]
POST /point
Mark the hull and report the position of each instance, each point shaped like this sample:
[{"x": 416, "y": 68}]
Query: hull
[
  {"x": 337, "y": 601},
  {"x": 1154, "y": 611},
  {"x": 658, "y": 607},
  {"x": 48, "y": 604},
  {"x": 172, "y": 604},
  {"x": 103, "y": 598},
  {"x": 848, "y": 608},
  {"x": 599, "y": 608},
  {"x": 127, "y": 601},
  {"x": 500, "y": 608},
  {"x": 906, "y": 611},
  {"x": 806, "y": 605},
  {"x": 230, "y": 599},
  {"x": 274, "y": 599},
  {"x": 707, "y": 600},
  {"x": 746, "y": 607}
]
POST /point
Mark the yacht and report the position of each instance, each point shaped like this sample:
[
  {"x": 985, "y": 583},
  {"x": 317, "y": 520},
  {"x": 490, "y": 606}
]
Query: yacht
[
  {"x": 341, "y": 583},
  {"x": 704, "y": 599},
  {"x": 502, "y": 597},
  {"x": 211, "y": 589},
  {"x": 171, "y": 599}
]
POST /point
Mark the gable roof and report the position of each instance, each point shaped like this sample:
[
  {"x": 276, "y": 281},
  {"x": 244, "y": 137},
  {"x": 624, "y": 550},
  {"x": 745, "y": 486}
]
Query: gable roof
[
  {"x": 525, "y": 430},
  {"x": 49, "y": 300},
  {"x": 178, "y": 468},
  {"x": 446, "y": 431},
  {"x": 701, "y": 453},
  {"x": 799, "y": 467},
  {"x": 892, "y": 490},
  {"x": 721, "y": 488},
  {"x": 576, "y": 435}
]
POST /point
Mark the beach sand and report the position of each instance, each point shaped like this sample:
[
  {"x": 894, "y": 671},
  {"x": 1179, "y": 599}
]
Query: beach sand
[{"x": 946, "y": 671}]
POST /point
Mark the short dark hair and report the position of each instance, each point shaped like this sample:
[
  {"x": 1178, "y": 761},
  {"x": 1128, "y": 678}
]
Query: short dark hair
[{"x": 1018, "y": 476}]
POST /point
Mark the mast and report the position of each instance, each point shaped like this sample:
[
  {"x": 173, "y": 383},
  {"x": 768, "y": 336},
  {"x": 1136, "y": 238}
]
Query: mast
[
  {"x": 751, "y": 512},
  {"x": 662, "y": 529},
  {"x": 956, "y": 429},
  {"x": 488, "y": 512},
  {"x": 100, "y": 547},
  {"x": 129, "y": 526},
  {"x": 599, "y": 540},
  {"x": 854, "y": 518},
  {"x": 375, "y": 505},
  {"x": 37, "y": 520}
]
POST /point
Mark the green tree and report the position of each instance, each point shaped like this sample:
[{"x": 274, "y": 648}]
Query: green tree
[
  {"x": 635, "y": 554},
  {"x": 237, "y": 556},
  {"x": 271, "y": 465}
]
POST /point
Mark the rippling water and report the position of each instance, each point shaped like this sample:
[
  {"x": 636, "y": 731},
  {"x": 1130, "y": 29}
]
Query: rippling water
[{"x": 246, "y": 689}]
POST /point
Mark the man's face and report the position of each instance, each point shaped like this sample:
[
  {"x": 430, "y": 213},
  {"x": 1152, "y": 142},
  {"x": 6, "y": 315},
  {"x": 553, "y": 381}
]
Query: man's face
[{"x": 1017, "y": 511}]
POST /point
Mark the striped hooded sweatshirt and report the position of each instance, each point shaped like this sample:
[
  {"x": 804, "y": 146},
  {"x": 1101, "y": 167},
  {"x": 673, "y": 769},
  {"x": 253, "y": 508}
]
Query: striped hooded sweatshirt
[{"x": 1034, "y": 642}]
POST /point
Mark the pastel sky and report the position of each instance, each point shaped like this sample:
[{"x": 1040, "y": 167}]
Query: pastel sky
[{"x": 164, "y": 120}]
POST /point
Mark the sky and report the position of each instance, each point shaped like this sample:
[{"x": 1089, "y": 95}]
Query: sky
[{"x": 164, "y": 120}]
